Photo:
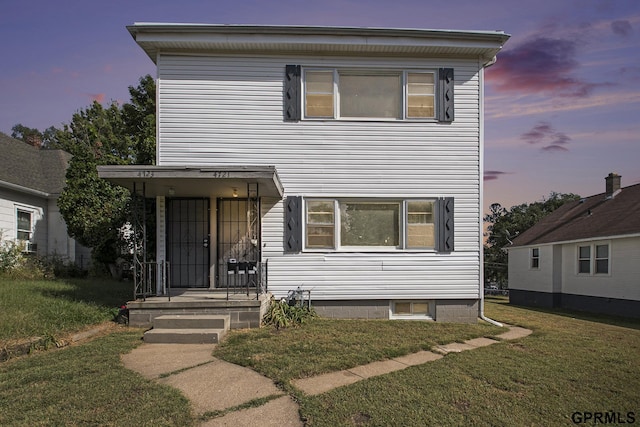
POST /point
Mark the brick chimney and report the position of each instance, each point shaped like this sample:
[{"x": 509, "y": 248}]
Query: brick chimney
[
  {"x": 612, "y": 185},
  {"x": 33, "y": 140}
]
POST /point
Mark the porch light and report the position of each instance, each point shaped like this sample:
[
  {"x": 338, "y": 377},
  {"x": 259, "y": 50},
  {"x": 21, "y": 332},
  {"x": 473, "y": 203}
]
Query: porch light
[
  {"x": 235, "y": 192},
  {"x": 172, "y": 191}
]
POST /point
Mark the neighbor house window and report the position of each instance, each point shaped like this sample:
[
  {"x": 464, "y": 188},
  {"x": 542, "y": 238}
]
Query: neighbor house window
[
  {"x": 23, "y": 225},
  {"x": 593, "y": 255},
  {"x": 535, "y": 258},
  {"x": 376, "y": 94},
  {"x": 602, "y": 259},
  {"x": 407, "y": 224},
  {"x": 584, "y": 259}
]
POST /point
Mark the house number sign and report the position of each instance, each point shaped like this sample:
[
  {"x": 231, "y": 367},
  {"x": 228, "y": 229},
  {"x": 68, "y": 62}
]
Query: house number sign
[
  {"x": 220, "y": 174},
  {"x": 214, "y": 174}
]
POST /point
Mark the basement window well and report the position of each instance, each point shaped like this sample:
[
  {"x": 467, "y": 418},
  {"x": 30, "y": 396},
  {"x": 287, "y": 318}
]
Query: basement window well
[{"x": 419, "y": 309}]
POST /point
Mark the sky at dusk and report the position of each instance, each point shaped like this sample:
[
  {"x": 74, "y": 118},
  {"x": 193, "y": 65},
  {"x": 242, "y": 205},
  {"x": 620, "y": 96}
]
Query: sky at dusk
[{"x": 562, "y": 103}]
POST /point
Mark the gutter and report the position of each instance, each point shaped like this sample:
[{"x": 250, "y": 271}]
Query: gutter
[
  {"x": 483, "y": 317},
  {"x": 22, "y": 189},
  {"x": 481, "y": 192}
]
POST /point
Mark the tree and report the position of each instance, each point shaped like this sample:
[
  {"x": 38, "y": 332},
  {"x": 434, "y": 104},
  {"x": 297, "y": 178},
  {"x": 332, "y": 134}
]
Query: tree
[
  {"x": 505, "y": 225},
  {"x": 94, "y": 209},
  {"x": 33, "y": 136}
]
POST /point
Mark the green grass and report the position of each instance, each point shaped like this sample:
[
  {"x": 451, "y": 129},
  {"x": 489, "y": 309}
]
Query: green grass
[
  {"x": 87, "y": 385},
  {"x": 570, "y": 363},
  {"x": 323, "y": 345},
  {"x": 36, "y": 308}
]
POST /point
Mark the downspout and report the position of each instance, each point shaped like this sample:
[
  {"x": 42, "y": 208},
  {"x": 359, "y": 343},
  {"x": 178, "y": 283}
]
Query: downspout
[{"x": 481, "y": 225}]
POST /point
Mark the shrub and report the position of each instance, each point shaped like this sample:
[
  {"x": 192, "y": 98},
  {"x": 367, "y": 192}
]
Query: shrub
[
  {"x": 11, "y": 256},
  {"x": 282, "y": 315}
]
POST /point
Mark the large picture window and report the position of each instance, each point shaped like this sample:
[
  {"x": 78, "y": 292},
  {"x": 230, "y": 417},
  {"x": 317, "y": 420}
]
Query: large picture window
[
  {"x": 375, "y": 94},
  {"x": 369, "y": 224},
  {"x": 391, "y": 224}
]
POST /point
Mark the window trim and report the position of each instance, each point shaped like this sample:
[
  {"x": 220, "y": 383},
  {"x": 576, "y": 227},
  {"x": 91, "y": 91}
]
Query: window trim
[
  {"x": 31, "y": 212},
  {"x": 534, "y": 258},
  {"x": 593, "y": 258},
  {"x": 402, "y": 225},
  {"x": 402, "y": 73},
  {"x": 430, "y": 315}
]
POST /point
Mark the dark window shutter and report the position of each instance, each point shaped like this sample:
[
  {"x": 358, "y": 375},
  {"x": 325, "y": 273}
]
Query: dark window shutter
[
  {"x": 445, "y": 94},
  {"x": 445, "y": 225},
  {"x": 292, "y": 86},
  {"x": 293, "y": 224}
]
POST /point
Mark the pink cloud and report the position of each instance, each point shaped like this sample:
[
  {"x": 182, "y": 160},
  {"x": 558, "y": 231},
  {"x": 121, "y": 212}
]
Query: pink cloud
[
  {"x": 57, "y": 70},
  {"x": 621, "y": 28},
  {"x": 554, "y": 148},
  {"x": 540, "y": 65},
  {"x": 108, "y": 68},
  {"x": 99, "y": 97},
  {"x": 544, "y": 132},
  {"x": 492, "y": 175}
]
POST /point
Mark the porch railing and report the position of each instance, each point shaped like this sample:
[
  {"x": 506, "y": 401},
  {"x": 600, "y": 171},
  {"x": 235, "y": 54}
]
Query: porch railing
[{"x": 151, "y": 278}]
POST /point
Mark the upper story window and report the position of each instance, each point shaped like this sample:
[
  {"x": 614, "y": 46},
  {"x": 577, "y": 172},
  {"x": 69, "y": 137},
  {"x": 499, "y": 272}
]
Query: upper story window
[
  {"x": 369, "y": 94},
  {"x": 24, "y": 225}
]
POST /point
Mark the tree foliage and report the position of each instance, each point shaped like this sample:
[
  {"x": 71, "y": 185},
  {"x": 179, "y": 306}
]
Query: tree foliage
[
  {"x": 93, "y": 208},
  {"x": 33, "y": 136},
  {"x": 504, "y": 225}
]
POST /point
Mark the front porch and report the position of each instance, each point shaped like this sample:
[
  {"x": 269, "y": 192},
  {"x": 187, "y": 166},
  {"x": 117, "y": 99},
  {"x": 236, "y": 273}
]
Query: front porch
[{"x": 244, "y": 311}]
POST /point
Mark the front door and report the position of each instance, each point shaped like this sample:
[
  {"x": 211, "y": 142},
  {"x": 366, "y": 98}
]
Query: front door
[
  {"x": 188, "y": 237},
  {"x": 238, "y": 242}
]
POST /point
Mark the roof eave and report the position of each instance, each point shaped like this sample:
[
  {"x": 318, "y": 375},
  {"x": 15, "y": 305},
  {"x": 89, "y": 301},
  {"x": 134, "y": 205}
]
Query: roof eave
[{"x": 154, "y": 38}]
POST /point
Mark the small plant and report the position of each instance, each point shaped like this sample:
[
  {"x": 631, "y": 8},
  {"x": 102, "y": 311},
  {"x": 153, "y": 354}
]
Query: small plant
[{"x": 283, "y": 315}]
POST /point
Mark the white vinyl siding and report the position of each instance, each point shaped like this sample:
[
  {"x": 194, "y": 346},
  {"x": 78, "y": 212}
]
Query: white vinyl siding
[
  {"x": 228, "y": 110},
  {"x": 558, "y": 270}
]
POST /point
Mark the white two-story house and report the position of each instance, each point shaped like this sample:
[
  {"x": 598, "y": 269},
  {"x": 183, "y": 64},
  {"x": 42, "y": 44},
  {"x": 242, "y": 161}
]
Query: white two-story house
[{"x": 347, "y": 160}]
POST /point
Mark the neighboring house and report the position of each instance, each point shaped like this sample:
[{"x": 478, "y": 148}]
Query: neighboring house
[
  {"x": 347, "y": 159},
  {"x": 31, "y": 180},
  {"x": 585, "y": 255}
]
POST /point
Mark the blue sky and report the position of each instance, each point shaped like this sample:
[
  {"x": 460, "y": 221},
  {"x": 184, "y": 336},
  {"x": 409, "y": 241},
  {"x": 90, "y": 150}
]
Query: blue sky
[{"x": 562, "y": 102}]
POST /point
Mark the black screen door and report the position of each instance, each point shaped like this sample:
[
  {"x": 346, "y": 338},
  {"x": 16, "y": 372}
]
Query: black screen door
[{"x": 188, "y": 245}]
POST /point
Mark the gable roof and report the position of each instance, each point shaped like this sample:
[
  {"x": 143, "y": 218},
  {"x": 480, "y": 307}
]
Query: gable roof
[
  {"x": 592, "y": 217},
  {"x": 24, "y": 167},
  {"x": 162, "y": 37}
]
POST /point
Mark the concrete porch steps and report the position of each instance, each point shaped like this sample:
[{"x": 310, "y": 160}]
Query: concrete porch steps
[{"x": 188, "y": 329}]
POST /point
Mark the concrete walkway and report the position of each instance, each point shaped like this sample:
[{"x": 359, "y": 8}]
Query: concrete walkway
[{"x": 214, "y": 385}]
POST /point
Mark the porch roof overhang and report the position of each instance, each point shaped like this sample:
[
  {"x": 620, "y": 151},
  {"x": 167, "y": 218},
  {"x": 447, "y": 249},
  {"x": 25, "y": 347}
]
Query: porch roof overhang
[{"x": 195, "y": 181}]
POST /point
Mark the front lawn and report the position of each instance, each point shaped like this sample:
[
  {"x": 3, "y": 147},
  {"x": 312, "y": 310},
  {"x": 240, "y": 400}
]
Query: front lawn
[
  {"x": 52, "y": 308},
  {"x": 324, "y": 345},
  {"x": 571, "y": 367},
  {"x": 86, "y": 385}
]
